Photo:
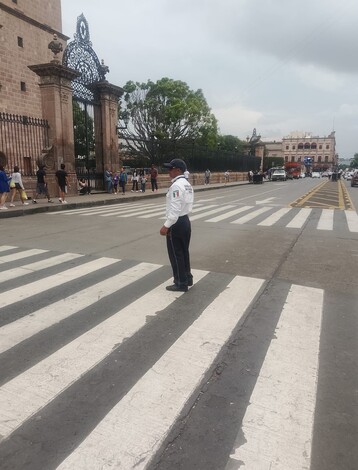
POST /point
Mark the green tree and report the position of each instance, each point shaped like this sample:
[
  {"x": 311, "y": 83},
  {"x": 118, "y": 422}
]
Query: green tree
[
  {"x": 231, "y": 143},
  {"x": 163, "y": 114},
  {"x": 354, "y": 161},
  {"x": 83, "y": 132}
]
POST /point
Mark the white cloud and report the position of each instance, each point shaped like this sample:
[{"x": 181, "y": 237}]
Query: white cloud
[{"x": 277, "y": 65}]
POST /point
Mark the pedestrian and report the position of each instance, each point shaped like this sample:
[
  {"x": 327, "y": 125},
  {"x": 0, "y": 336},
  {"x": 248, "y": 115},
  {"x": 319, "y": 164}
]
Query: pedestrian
[
  {"x": 41, "y": 185},
  {"x": 123, "y": 181},
  {"x": 84, "y": 188},
  {"x": 226, "y": 176},
  {"x": 177, "y": 227},
  {"x": 135, "y": 178},
  {"x": 108, "y": 180},
  {"x": 153, "y": 178},
  {"x": 143, "y": 181},
  {"x": 207, "y": 176},
  {"x": 62, "y": 181},
  {"x": 4, "y": 188},
  {"x": 16, "y": 185},
  {"x": 115, "y": 181}
]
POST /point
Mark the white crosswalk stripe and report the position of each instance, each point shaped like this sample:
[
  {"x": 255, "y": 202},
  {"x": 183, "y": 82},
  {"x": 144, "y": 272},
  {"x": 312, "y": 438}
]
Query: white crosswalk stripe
[
  {"x": 130, "y": 433},
  {"x": 280, "y": 391},
  {"x": 288, "y": 217}
]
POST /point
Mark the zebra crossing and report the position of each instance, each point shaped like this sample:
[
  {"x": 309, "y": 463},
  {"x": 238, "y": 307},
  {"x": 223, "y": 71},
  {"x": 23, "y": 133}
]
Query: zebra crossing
[
  {"x": 98, "y": 362},
  {"x": 263, "y": 216}
]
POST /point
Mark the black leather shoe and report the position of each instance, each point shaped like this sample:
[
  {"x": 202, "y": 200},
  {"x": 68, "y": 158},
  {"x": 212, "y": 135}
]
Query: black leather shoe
[{"x": 175, "y": 288}]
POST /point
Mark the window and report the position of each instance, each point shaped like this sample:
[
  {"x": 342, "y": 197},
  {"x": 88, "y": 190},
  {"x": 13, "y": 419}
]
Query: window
[
  {"x": 293, "y": 147},
  {"x": 20, "y": 41},
  {"x": 300, "y": 146},
  {"x": 307, "y": 145},
  {"x": 313, "y": 146},
  {"x": 298, "y": 159},
  {"x": 319, "y": 158},
  {"x": 326, "y": 158},
  {"x": 292, "y": 159},
  {"x": 320, "y": 147},
  {"x": 327, "y": 147},
  {"x": 23, "y": 86},
  {"x": 287, "y": 147},
  {"x": 286, "y": 158}
]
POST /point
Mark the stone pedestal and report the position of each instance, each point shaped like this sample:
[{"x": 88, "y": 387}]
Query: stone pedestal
[
  {"x": 106, "y": 115},
  {"x": 56, "y": 98}
]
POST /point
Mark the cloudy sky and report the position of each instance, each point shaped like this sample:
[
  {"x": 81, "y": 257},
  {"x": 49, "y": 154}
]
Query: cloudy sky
[{"x": 274, "y": 65}]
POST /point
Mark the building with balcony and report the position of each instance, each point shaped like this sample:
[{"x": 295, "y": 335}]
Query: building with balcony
[{"x": 318, "y": 153}]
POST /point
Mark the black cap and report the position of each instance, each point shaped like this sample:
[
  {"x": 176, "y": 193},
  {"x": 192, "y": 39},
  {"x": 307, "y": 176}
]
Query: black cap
[{"x": 176, "y": 163}]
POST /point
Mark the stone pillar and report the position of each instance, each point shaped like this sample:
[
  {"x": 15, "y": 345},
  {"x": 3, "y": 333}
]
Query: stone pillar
[
  {"x": 56, "y": 97},
  {"x": 106, "y": 116}
]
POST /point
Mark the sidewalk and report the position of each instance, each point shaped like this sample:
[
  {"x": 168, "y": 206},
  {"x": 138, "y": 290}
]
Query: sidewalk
[{"x": 97, "y": 199}]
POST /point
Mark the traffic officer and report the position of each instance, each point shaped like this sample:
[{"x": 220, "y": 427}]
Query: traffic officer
[{"x": 177, "y": 228}]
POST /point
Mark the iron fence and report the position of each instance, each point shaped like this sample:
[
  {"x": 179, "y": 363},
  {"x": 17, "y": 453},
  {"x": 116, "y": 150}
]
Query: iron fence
[
  {"x": 22, "y": 141},
  {"x": 140, "y": 153}
]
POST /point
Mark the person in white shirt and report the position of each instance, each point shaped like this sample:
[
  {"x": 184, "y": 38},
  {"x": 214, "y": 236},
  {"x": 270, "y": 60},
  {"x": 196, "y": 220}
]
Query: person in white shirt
[
  {"x": 16, "y": 185},
  {"x": 177, "y": 227}
]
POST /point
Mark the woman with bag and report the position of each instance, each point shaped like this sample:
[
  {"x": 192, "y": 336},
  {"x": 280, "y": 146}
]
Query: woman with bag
[
  {"x": 4, "y": 187},
  {"x": 16, "y": 185}
]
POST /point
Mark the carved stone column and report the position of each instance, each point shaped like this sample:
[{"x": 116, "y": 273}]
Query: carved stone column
[
  {"x": 107, "y": 96},
  {"x": 56, "y": 97}
]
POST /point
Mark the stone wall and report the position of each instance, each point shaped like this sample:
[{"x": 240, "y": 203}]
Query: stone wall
[
  {"x": 24, "y": 43},
  {"x": 197, "y": 179}
]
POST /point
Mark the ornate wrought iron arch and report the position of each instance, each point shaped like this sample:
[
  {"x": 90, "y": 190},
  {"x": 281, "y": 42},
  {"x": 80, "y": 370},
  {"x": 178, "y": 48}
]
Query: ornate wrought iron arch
[{"x": 80, "y": 56}]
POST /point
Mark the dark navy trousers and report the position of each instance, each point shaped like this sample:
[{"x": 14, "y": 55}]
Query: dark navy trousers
[{"x": 178, "y": 240}]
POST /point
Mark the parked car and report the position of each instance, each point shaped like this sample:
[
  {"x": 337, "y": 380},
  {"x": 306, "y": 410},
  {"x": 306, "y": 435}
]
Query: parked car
[
  {"x": 354, "y": 179},
  {"x": 278, "y": 175},
  {"x": 316, "y": 174}
]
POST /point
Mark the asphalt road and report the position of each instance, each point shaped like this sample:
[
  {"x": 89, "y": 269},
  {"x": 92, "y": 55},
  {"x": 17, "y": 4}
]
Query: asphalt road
[{"x": 255, "y": 367}]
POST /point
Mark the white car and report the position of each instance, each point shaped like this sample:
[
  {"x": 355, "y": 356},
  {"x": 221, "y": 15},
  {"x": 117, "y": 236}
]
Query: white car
[
  {"x": 279, "y": 175},
  {"x": 316, "y": 174}
]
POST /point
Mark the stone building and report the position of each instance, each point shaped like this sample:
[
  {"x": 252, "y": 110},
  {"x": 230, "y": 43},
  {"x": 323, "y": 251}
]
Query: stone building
[
  {"x": 273, "y": 149},
  {"x": 313, "y": 152},
  {"x": 319, "y": 153},
  {"x": 26, "y": 28},
  {"x": 38, "y": 87}
]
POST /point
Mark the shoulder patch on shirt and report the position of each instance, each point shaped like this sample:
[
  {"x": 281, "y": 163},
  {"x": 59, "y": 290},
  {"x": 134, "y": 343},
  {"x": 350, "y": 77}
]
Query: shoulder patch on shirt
[{"x": 175, "y": 193}]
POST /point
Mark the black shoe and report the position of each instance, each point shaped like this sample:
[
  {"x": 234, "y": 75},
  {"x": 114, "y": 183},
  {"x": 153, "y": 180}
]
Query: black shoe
[
  {"x": 175, "y": 288},
  {"x": 190, "y": 281}
]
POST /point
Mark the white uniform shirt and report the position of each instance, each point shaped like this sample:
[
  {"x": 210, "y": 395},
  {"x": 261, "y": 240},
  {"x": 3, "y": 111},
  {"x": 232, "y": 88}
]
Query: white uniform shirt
[{"x": 180, "y": 199}]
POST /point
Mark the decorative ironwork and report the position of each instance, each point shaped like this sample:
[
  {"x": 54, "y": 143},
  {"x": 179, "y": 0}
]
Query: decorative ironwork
[
  {"x": 80, "y": 56},
  {"x": 23, "y": 140}
]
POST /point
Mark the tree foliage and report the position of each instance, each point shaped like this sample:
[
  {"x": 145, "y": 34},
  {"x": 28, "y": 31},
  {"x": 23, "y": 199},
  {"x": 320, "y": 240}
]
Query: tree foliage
[
  {"x": 83, "y": 132},
  {"x": 167, "y": 112},
  {"x": 354, "y": 161},
  {"x": 231, "y": 143}
]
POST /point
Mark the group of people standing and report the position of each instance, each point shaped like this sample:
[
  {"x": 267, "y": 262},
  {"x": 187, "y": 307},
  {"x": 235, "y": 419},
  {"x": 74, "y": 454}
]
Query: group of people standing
[{"x": 115, "y": 182}]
